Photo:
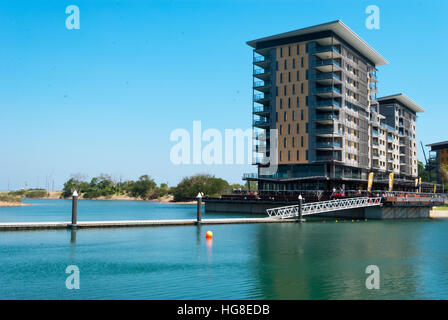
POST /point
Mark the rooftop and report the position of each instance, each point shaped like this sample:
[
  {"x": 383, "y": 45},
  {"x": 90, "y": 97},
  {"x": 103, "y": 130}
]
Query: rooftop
[
  {"x": 403, "y": 99},
  {"x": 339, "y": 28},
  {"x": 438, "y": 145}
]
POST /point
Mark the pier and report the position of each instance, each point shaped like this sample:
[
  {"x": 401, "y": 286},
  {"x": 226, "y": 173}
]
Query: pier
[{"x": 16, "y": 226}]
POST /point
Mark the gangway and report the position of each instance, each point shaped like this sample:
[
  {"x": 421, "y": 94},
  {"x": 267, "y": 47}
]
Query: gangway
[{"x": 323, "y": 206}]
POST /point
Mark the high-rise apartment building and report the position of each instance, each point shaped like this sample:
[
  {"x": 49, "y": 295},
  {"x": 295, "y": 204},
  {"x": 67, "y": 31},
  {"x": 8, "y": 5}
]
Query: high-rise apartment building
[{"x": 318, "y": 87}]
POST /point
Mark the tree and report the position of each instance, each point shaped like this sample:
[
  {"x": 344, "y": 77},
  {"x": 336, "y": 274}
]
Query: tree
[
  {"x": 189, "y": 187},
  {"x": 144, "y": 188}
]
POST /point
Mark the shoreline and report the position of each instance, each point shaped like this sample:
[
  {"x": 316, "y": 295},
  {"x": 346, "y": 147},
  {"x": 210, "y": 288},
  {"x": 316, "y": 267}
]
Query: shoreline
[
  {"x": 13, "y": 204},
  {"x": 438, "y": 214}
]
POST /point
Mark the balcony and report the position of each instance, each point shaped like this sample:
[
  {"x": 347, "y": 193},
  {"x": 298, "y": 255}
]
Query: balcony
[
  {"x": 261, "y": 123},
  {"x": 326, "y": 118},
  {"x": 262, "y": 61},
  {"x": 262, "y": 98},
  {"x": 263, "y": 86},
  {"x": 328, "y": 158},
  {"x": 328, "y": 145},
  {"x": 327, "y": 92},
  {"x": 328, "y": 132},
  {"x": 327, "y": 78},
  {"x": 326, "y": 65},
  {"x": 325, "y": 52},
  {"x": 262, "y": 74},
  {"x": 260, "y": 110},
  {"x": 373, "y": 76},
  {"x": 375, "y": 132},
  {"x": 327, "y": 104}
]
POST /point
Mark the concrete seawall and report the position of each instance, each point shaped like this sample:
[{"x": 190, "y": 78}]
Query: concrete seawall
[{"x": 397, "y": 211}]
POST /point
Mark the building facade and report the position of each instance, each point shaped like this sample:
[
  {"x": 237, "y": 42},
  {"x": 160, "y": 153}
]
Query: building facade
[
  {"x": 441, "y": 151},
  {"x": 318, "y": 88}
]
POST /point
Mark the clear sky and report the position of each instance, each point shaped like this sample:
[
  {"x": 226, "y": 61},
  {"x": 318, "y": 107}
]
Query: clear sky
[{"x": 105, "y": 98}]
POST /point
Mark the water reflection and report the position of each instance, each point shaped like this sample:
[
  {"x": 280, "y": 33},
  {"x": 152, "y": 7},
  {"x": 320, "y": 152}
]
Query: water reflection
[{"x": 318, "y": 260}]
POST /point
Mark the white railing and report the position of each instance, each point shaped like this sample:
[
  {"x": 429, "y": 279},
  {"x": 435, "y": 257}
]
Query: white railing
[{"x": 323, "y": 206}]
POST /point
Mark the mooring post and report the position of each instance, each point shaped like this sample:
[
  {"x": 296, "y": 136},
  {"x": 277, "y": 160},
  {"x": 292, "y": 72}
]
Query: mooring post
[
  {"x": 199, "y": 208},
  {"x": 74, "y": 209},
  {"x": 299, "y": 216}
]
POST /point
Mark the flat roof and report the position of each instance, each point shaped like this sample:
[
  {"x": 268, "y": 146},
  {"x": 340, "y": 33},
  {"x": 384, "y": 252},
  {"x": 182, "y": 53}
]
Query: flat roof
[
  {"x": 404, "y": 100},
  {"x": 438, "y": 145},
  {"x": 339, "y": 28}
]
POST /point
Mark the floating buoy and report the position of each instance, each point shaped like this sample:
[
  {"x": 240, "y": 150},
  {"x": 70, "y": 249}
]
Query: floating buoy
[
  {"x": 336, "y": 220},
  {"x": 353, "y": 220},
  {"x": 209, "y": 235},
  {"x": 365, "y": 219}
]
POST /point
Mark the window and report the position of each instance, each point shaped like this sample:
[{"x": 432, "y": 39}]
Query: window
[
  {"x": 285, "y": 66},
  {"x": 293, "y": 142},
  {"x": 289, "y": 51},
  {"x": 301, "y": 62},
  {"x": 301, "y": 114},
  {"x": 297, "y": 154},
  {"x": 280, "y": 154},
  {"x": 281, "y": 52},
  {"x": 298, "y": 103},
  {"x": 289, "y": 129},
  {"x": 281, "y": 77},
  {"x": 307, "y": 127},
  {"x": 306, "y": 102},
  {"x": 298, "y": 50},
  {"x": 301, "y": 87},
  {"x": 284, "y": 90},
  {"x": 284, "y": 116},
  {"x": 293, "y": 115},
  {"x": 280, "y": 129},
  {"x": 289, "y": 76},
  {"x": 289, "y": 103},
  {"x": 301, "y": 141},
  {"x": 307, "y": 155},
  {"x": 289, "y": 155},
  {"x": 281, "y": 103},
  {"x": 284, "y": 142},
  {"x": 293, "y": 89},
  {"x": 298, "y": 75},
  {"x": 306, "y": 76},
  {"x": 293, "y": 63},
  {"x": 297, "y": 128}
]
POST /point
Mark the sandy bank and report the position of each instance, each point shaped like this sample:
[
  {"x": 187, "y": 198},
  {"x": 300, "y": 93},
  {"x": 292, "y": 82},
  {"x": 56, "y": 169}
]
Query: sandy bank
[
  {"x": 438, "y": 213},
  {"x": 12, "y": 204}
]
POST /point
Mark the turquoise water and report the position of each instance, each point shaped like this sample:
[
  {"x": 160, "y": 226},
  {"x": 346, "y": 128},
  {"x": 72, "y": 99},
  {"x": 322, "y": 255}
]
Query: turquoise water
[{"x": 314, "y": 260}]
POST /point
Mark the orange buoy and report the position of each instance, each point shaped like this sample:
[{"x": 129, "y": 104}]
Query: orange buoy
[{"x": 209, "y": 235}]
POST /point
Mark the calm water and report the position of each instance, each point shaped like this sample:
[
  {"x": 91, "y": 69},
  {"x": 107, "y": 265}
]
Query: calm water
[{"x": 314, "y": 260}]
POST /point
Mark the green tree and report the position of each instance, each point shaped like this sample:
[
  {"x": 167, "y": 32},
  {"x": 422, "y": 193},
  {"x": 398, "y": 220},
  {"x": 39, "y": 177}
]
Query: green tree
[
  {"x": 189, "y": 187},
  {"x": 144, "y": 188}
]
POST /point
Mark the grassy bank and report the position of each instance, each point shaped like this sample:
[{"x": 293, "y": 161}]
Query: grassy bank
[
  {"x": 442, "y": 208},
  {"x": 7, "y": 200}
]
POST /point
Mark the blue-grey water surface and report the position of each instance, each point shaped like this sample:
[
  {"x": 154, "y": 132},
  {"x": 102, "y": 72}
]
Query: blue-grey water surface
[{"x": 314, "y": 260}]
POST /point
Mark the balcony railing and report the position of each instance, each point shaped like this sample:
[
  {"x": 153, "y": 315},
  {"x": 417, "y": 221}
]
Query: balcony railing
[
  {"x": 327, "y": 90},
  {"x": 328, "y": 102},
  {"x": 328, "y": 145},
  {"x": 261, "y": 59},
  {"x": 329, "y": 75},
  {"x": 260, "y": 71},
  {"x": 328, "y": 131},
  {"x": 259, "y": 84},
  {"x": 261, "y": 122},
  {"x": 375, "y": 132},
  {"x": 327, "y": 117},
  {"x": 259, "y": 109},
  {"x": 326, "y": 62},
  {"x": 325, "y": 49},
  {"x": 261, "y": 96},
  {"x": 328, "y": 158}
]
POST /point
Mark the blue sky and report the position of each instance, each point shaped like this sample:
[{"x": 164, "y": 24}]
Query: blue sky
[{"x": 105, "y": 98}]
